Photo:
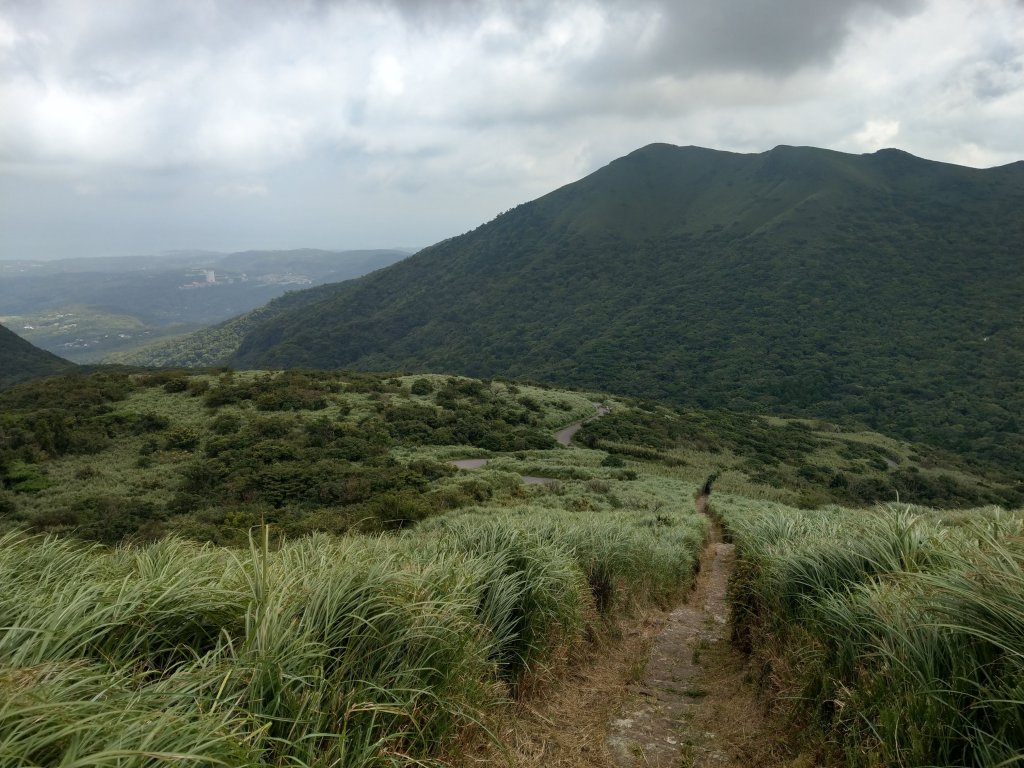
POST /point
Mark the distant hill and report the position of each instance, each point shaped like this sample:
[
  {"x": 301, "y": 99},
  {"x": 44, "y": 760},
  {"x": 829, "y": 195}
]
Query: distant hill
[
  {"x": 20, "y": 361},
  {"x": 882, "y": 288},
  {"x": 209, "y": 347},
  {"x": 87, "y": 309}
]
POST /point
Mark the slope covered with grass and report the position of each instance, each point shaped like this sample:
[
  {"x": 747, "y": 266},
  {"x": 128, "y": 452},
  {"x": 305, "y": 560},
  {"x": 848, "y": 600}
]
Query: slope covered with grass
[
  {"x": 897, "y": 633},
  {"x": 396, "y": 604},
  {"x": 343, "y": 652},
  {"x": 210, "y": 455}
]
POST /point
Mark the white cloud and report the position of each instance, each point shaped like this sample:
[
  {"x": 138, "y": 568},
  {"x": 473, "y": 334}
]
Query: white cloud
[{"x": 877, "y": 134}]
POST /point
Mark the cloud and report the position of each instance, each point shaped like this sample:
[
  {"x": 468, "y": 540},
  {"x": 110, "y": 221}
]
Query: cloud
[
  {"x": 243, "y": 189},
  {"x": 877, "y": 134},
  {"x": 256, "y": 84},
  {"x": 474, "y": 104}
]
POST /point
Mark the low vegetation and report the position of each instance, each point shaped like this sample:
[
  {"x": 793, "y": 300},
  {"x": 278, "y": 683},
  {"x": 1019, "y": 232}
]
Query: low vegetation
[
  {"x": 350, "y": 651},
  {"x": 896, "y": 632},
  {"x": 208, "y": 456},
  {"x": 287, "y": 568}
]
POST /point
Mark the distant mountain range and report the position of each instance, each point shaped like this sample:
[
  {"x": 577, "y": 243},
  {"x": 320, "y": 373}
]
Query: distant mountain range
[
  {"x": 86, "y": 309},
  {"x": 881, "y": 288},
  {"x": 20, "y": 361}
]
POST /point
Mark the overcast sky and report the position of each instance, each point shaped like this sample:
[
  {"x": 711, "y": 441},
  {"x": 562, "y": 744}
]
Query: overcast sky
[{"x": 138, "y": 126}]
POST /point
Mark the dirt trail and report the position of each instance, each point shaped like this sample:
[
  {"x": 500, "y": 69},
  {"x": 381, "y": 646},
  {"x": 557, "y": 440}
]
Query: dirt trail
[
  {"x": 671, "y": 691},
  {"x": 661, "y": 722}
]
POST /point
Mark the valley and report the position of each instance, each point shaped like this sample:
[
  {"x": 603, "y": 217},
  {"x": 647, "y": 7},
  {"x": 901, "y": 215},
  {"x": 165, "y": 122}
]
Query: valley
[{"x": 87, "y": 309}]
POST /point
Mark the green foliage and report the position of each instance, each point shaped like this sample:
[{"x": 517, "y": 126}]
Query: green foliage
[
  {"x": 303, "y": 450},
  {"x": 351, "y": 652},
  {"x": 421, "y": 386},
  {"x": 898, "y": 631},
  {"x": 817, "y": 461},
  {"x": 880, "y": 289},
  {"x": 181, "y": 439}
]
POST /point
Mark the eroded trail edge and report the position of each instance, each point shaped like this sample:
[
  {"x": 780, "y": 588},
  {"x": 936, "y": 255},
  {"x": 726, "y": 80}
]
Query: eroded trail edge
[{"x": 661, "y": 722}]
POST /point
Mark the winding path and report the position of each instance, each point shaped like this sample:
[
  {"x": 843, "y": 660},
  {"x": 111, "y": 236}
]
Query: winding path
[{"x": 563, "y": 436}]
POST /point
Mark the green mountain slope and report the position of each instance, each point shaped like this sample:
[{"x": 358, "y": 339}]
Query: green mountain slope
[
  {"x": 20, "y": 361},
  {"x": 884, "y": 288}
]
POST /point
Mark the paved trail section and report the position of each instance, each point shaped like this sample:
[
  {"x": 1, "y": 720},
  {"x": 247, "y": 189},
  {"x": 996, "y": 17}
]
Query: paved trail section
[
  {"x": 658, "y": 724},
  {"x": 563, "y": 436}
]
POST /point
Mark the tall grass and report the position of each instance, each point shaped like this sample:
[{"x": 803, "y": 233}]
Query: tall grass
[
  {"x": 328, "y": 652},
  {"x": 901, "y": 630}
]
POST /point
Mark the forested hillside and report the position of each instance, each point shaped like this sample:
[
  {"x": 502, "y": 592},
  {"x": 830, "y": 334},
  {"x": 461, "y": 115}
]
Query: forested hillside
[
  {"x": 880, "y": 288},
  {"x": 20, "y": 361}
]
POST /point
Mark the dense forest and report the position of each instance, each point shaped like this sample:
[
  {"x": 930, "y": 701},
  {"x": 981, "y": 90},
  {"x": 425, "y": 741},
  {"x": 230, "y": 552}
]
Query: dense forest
[{"x": 878, "y": 289}]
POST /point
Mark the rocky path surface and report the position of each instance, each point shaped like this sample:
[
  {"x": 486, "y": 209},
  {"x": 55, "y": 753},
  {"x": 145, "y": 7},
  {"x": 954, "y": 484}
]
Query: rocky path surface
[{"x": 660, "y": 724}]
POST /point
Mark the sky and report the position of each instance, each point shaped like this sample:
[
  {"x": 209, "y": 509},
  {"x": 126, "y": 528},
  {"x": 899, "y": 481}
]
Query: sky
[{"x": 144, "y": 126}]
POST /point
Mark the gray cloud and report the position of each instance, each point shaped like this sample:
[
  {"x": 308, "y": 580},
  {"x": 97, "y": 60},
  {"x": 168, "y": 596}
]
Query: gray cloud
[
  {"x": 235, "y": 123},
  {"x": 776, "y": 38}
]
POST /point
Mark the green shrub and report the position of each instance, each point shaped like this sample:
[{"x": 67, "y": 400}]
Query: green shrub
[
  {"x": 421, "y": 387},
  {"x": 181, "y": 438}
]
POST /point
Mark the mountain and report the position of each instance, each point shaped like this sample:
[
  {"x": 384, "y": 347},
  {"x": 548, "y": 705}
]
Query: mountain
[
  {"x": 87, "y": 309},
  {"x": 882, "y": 288},
  {"x": 20, "y": 361}
]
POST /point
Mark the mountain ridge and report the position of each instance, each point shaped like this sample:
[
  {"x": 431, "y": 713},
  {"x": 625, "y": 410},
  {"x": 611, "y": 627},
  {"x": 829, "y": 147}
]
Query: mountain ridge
[{"x": 876, "y": 287}]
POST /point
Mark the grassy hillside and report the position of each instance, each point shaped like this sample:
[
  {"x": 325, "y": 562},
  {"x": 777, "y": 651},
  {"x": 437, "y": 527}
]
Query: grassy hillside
[
  {"x": 20, "y": 361},
  {"x": 397, "y": 604},
  {"x": 895, "y": 634},
  {"x": 879, "y": 288},
  {"x": 343, "y": 652},
  {"x": 118, "y": 455}
]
